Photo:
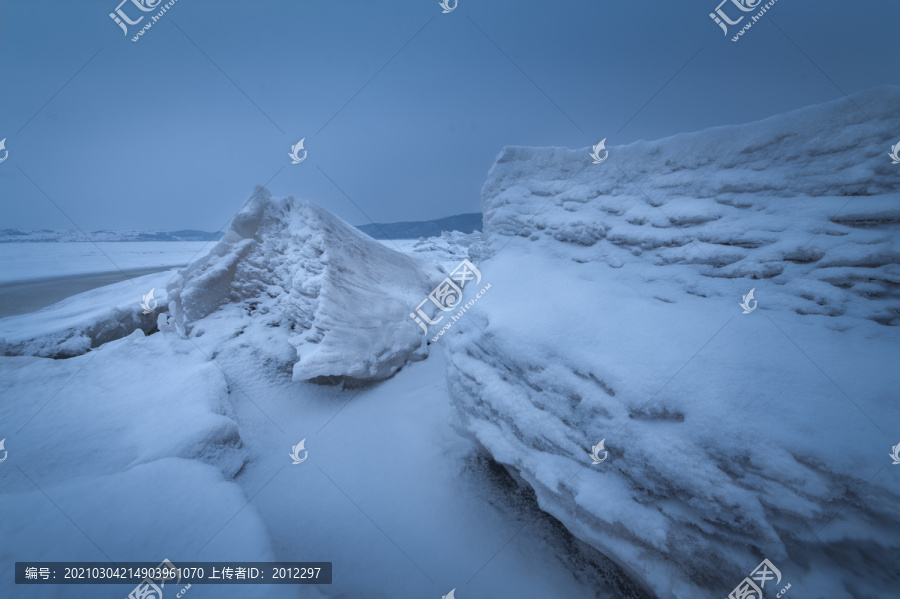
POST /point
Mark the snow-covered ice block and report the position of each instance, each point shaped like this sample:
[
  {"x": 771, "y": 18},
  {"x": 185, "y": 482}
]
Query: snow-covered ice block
[
  {"x": 86, "y": 320},
  {"x": 340, "y": 299},
  {"x": 731, "y": 437},
  {"x": 808, "y": 196}
]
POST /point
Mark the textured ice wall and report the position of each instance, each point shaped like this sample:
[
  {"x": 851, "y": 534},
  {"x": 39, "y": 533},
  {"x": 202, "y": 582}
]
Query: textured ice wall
[
  {"x": 614, "y": 315},
  {"x": 808, "y": 201}
]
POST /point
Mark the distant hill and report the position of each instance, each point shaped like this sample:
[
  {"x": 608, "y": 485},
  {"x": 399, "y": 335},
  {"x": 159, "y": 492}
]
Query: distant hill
[
  {"x": 465, "y": 223},
  {"x": 14, "y": 235}
]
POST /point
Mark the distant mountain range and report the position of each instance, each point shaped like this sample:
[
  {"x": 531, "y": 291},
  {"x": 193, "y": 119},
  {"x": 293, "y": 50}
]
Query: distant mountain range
[
  {"x": 465, "y": 223},
  {"x": 14, "y": 235}
]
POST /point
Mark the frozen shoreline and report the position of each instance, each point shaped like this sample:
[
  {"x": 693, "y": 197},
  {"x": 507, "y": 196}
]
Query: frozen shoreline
[{"x": 24, "y": 297}]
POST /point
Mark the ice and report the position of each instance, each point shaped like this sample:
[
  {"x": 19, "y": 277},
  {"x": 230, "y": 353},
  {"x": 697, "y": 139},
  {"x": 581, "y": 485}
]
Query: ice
[
  {"x": 31, "y": 261},
  {"x": 86, "y": 320},
  {"x": 786, "y": 200},
  {"x": 75, "y": 236},
  {"x": 288, "y": 274},
  {"x": 732, "y": 437},
  {"x": 612, "y": 315}
]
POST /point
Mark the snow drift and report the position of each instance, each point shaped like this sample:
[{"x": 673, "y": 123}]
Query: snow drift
[
  {"x": 732, "y": 437},
  {"x": 289, "y": 272}
]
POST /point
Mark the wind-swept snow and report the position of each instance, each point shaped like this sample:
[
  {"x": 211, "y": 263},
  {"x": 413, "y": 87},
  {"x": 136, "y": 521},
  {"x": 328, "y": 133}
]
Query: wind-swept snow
[
  {"x": 288, "y": 271},
  {"x": 732, "y": 437}
]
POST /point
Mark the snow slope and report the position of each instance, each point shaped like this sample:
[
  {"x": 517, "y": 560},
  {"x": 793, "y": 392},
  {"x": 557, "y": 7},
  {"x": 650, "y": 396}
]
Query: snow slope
[
  {"x": 289, "y": 270},
  {"x": 121, "y": 454},
  {"x": 732, "y": 437}
]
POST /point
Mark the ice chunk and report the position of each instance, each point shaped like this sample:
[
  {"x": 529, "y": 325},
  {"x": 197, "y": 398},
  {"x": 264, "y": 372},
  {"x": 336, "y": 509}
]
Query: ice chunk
[
  {"x": 87, "y": 320},
  {"x": 731, "y": 437},
  {"x": 807, "y": 201},
  {"x": 339, "y": 298}
]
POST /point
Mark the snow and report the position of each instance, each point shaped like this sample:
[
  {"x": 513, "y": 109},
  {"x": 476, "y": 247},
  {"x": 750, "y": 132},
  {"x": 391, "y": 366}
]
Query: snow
[
  {"x": 393, "y": 495},
  {"x": 86, "y": 320},
  {"x": 732, "y": 437},
  {"x": 777, "y": 201},
  {"x": 288, "y": 267},
  {"x": 137, "y": 444},
  {"x": 612, "y": 315},
  {"x": 151, "y": 447}
]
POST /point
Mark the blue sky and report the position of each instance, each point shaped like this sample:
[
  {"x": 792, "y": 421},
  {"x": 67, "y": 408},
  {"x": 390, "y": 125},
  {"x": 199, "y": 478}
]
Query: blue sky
[{"x": 175, "y": 130}]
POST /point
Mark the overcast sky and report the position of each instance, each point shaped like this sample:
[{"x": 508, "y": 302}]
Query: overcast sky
[{"x": 403, "y": 108}]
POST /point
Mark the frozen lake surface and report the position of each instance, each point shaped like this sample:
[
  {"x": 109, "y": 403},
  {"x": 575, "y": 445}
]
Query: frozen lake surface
[{"x": 36, "y": 275}]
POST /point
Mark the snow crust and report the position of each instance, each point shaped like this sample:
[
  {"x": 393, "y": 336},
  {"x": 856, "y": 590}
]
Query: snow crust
[
  {"x": 288, "y": 271},
  {"x": 614, "y": 315}
]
